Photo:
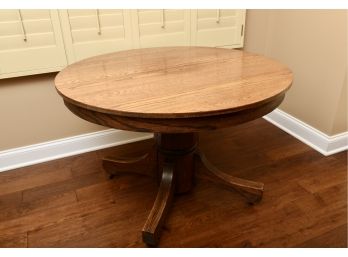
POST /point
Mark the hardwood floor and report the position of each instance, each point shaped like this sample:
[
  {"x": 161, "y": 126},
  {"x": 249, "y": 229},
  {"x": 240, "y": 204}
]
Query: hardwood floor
[{"x": 71, "y": 203}]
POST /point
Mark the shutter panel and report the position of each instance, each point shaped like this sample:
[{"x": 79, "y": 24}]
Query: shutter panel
[
  {"x": 154, "y": 28},
  {"x": 93, "y": 32},
  {"x": 30, "y": 42},
  {"x": 218, "y": 28}
]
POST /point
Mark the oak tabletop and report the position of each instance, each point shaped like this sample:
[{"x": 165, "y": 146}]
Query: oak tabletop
[{"x": 173, "y": 82}]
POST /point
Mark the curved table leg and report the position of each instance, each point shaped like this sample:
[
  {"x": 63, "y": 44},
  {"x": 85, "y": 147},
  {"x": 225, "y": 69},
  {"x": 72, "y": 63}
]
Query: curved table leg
[
  {"x": 142, "y": 165},
  {"x": 251, "y": 190},
  {"x": 152, "y": 228}
]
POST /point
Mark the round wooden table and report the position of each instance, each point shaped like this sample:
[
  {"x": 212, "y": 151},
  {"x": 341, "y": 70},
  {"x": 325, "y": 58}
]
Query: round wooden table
[{"x": 174, "y": 92}]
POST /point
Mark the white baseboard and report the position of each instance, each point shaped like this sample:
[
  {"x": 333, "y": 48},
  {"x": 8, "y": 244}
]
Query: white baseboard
[
  {"x": 33, "y": 154},
  {"x": 316, "y": 139}
]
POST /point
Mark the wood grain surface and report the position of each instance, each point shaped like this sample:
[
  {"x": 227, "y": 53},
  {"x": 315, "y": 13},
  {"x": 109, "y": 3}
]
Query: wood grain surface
[
  {"x": 153, "y": 226},
  {"x": 175, "y": 125},
  {"x": 252, "y": 191},
  {"x": 173, "y": 82}
]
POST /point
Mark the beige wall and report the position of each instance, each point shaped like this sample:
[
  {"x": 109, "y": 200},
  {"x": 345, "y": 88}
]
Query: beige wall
[
  {"x": 32, "y": 112},
  {"x": 313, "y": 43},
  {"x": 340, "y": 119}
]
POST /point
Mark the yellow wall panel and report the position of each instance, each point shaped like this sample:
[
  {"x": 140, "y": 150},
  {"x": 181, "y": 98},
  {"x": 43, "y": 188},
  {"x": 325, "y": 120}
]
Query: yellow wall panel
[
  {"x": 93, "y": 32},
  {"x": 218, "y": 28},
  {"x": 30, "y": 42},
  {"x": 38, "y": 41}
]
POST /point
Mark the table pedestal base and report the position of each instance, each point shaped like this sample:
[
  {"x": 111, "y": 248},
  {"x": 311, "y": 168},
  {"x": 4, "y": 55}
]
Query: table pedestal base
[{"x": 172, "y": 162}]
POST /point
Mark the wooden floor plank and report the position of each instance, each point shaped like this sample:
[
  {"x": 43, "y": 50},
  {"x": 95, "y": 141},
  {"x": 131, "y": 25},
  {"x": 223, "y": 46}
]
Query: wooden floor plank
[
  {"x": 60, "y": 187},
  {"x": 22, "y": 179},
  {"x": 14, "y": 241},
  {"x": 31, "y": 207},
  {"x": 336, "y": 237},
  {"x": 49, "y": 216},
  {"x": 10, "y": 200}
]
